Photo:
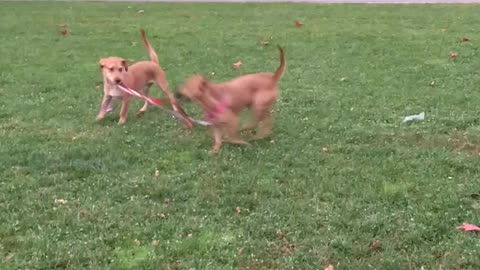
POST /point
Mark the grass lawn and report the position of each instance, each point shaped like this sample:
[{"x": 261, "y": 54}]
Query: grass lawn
[{"x": 353, "y": 72}]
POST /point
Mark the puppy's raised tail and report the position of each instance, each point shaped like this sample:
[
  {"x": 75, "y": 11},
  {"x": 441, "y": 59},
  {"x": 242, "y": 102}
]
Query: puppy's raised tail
[
  {"x": 283, "y": 65},
  {"x": 151, "y": 52}
]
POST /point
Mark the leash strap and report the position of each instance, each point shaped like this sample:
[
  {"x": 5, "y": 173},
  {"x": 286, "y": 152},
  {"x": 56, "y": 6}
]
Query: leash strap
[{"x": 158, "y": 103}]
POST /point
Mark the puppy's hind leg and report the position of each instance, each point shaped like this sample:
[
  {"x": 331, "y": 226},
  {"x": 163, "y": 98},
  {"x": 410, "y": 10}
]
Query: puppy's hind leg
[
  {"x": 144, "y": 108},
  {"x": 231, "y": 128}
]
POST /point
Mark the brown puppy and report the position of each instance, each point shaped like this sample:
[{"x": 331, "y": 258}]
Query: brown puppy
[
  {"x": 139, "y": 77},
  {"x": 223, "y": 102}
]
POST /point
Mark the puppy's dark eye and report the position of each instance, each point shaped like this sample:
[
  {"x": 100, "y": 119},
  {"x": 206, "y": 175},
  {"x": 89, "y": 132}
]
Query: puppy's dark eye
[
  {"x": 120, "y": 69},
  {"x": 111, "y": 69}
]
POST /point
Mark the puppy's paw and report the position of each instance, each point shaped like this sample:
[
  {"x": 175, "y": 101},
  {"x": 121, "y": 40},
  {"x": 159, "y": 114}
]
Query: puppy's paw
[
  {"x": 140, "y": 114},
  {"x": 100, "y": 117},
  {"x": 213, "y": 152},
  {"x": 122, "y": 121}
]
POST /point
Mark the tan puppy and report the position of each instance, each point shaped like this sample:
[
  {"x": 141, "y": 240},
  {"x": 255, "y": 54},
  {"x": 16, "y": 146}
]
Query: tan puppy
[
  {"x": 139, "y": 77},
  {"x": 223, "y": 102}
]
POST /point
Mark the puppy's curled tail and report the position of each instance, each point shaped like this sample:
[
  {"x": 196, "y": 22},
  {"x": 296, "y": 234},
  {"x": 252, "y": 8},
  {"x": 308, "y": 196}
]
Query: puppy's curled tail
[
  {"x": 151, "y": 52},
  {"x": 281, "y": 69}
]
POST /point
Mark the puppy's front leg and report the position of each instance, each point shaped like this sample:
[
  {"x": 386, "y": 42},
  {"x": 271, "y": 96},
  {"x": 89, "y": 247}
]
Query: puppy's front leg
[
  {"x": 124, "y": 110},
  {"x": 106, "y": 102},
  {"x": 217, "y": 134}
]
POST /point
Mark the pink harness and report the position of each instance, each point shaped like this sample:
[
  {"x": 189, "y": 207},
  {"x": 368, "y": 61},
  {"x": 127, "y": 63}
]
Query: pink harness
[{"x": 212, "y": 115}]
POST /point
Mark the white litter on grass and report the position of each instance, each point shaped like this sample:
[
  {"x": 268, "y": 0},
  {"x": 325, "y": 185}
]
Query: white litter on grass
[{"x": 415, "y": 117}]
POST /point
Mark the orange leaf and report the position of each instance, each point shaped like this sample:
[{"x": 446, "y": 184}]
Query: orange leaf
[
  {"x": 465, "y": 39},
  {"x": 375, "y": 245},
  {"x": 64, "y": 33},
  {"x": 264, "y": 43},
  {"x": 453, "y": 56},
  {"x": 238, "y": 64},
  {"x": 298, "y": 24}
]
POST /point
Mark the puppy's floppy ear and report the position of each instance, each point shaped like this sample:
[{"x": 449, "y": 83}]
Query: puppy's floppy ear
[
  {"x": 125, "y": 64},
  {"x": 203, "y": 84},
  {"x": 101, "y": 63}
]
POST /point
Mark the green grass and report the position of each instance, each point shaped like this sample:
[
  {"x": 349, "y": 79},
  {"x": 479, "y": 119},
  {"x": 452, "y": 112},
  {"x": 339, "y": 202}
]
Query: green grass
[{"x": 407, "y": 186}]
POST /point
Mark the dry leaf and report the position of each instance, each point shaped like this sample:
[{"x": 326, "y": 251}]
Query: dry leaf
[
  {"x": 432, "y": 83},
  {"x": 137, "y": 243},
  {"x": 465, "y": 39},
  {"x": 61, "y": 25},
  {"x": 83, "y": 213},
  {"x": 288, "y": 249},
  {"x": 264, "y": 43},
  {"x": 466, "y": 227},
  {"x": 329, "y": 267},
  {"x": 324, "y": 150},
  {"x": 167, "y": 201},
  {"x": 60, "y": 201},
  {"x": 453, "y": 56},
  {"x": 375, "y": 245},
  {"x": 237, "y": 210},
  {"x": 190, "y": 235},
  {"x": 141, "y": 11},
  {"x": 298, "y": 24},
  {"x": 238, "y": 64},
  {"x": 280, "y": 235},
  {"x": 64, "y": 33},
  {"x": 157, "y": 173},
  {"x": 154, "y": 243},
  {"x": 162, "y": 216}
]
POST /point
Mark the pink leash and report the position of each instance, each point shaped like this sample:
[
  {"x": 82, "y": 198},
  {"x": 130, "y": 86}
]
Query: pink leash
[{"x": 158, "y": 103}]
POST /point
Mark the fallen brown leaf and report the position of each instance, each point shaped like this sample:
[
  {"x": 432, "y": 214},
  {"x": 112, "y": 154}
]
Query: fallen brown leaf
[
  {"x": 288, "y": 249},
  {"x": 137, "y": 243},
  {"x": 465, "y": 39},
  {"x": 167, "y": 201},
  {"x": 83, "y": 213},
  {"x": 154, "y": 243},
  {"x": 64, "y": 33},
  {"x": 157, "y": 173},
  {"x": 280, "y": 235},
  {"x": 162, "y": 216},
  {"x": 264, "y": 43},
  {"x": 237, "y": 210},
  {"x": 453, "y": 56},
  {"x": 375, "y": 245},
  {"x": 238, "y": 64},
  {"x": 298, "y": 24}
]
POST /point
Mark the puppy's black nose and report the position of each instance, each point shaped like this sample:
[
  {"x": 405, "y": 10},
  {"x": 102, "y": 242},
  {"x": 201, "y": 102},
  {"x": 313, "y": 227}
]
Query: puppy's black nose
[{"x": 117, "y": 81}]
